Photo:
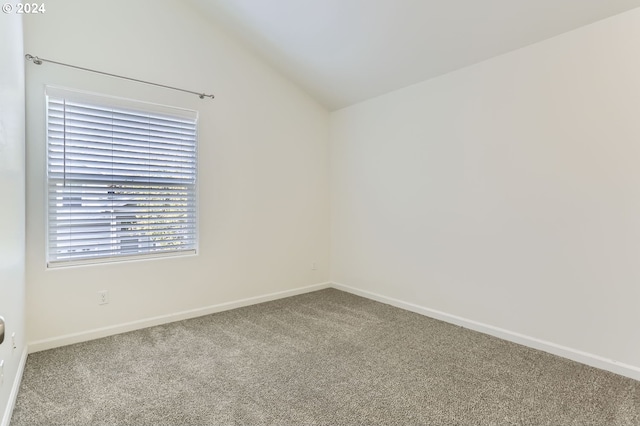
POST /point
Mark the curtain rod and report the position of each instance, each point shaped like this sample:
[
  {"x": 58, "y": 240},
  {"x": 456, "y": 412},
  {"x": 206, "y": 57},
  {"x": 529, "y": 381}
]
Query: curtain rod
[{"x": 38, "y": 61}]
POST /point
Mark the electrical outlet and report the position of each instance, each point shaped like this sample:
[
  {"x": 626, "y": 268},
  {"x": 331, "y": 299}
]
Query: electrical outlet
[{"x": 103, "y": 297}]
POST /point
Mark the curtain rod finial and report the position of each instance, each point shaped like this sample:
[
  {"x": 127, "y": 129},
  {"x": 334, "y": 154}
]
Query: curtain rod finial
[{"x": 34, "y": 59}]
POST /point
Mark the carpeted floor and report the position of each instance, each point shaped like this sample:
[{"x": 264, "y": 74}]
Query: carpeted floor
[{"x": 323, "y": 358}]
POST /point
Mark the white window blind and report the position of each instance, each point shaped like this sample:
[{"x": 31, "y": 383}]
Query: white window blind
[{"x": 121, "y": 179}]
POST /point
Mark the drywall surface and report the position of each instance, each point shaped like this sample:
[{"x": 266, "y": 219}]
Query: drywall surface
[
  {"x": 263, "y": 166},
  {"x": 12, "y": 222},
  {"x": 506, "y": 193}
]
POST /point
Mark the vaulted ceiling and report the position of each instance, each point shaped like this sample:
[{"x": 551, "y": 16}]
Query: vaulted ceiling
[{"x": 346, "y": 51}]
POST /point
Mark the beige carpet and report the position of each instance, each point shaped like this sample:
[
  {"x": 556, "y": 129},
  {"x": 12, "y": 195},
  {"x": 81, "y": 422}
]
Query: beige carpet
[{"x": 323, "y": 358}]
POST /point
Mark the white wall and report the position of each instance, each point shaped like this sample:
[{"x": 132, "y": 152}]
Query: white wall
[
  {"x": 505, "y": 195},
  {"x": 263, "y": 147},
  {"x": 12, "y": 184}
]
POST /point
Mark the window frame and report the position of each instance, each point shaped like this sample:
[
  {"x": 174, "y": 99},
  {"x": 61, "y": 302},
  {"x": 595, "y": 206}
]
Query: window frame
[{"x": 104, "y": 100}]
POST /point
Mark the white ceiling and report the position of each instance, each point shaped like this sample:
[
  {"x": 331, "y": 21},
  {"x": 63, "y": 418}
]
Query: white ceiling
[{"x": 346, "y": 51}]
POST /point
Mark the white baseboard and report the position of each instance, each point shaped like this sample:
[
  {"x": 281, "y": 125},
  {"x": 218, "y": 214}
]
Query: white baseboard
[
  {"x": 97, "y": 333},
  {"x": 15, "y": 388},
  {"x": 592, "y": 360},
  {"x": 613, "y": 366}
]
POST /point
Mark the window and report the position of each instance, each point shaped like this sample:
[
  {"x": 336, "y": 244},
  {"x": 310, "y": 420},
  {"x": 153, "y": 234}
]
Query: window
[{"x": 121, "y": 179}]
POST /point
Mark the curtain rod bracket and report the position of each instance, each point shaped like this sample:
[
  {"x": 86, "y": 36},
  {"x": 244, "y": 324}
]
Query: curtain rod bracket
[{"x": 38, "y": 61}]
